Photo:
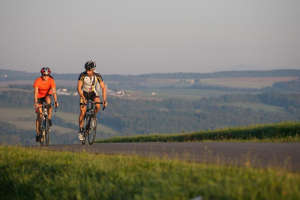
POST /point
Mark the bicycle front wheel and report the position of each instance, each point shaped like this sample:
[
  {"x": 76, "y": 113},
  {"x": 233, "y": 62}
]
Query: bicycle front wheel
[
  {"x": 84, "y": 137},
  {"x": 43, "y": 137},
  {"x": 93, "y": 129}
]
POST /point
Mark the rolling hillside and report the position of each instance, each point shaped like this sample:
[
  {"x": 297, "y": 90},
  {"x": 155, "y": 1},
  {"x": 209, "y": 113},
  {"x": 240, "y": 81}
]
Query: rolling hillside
[{"x": 158, "y": 103}]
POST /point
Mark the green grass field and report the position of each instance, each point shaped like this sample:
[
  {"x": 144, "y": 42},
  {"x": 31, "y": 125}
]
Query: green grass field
[
  {"x": 27, "y": 173},
  {"x": 280, "y": 132}
]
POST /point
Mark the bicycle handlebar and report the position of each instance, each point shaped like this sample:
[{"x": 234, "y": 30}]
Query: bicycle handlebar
[
  {"x": 52, "y": 104},
  {"x": 103, "y": 108},
  {"x": 88, "y": 99}
]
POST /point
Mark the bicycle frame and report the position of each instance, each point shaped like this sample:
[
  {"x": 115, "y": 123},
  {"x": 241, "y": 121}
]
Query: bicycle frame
[
  {"x": 44, "y": 125},
  {"x": 90, "y": 126}
]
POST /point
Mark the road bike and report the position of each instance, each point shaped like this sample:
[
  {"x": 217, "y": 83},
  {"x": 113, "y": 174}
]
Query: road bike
[
  {"x": 90, "y": 122},
  {"x": 44, "y": 128}
]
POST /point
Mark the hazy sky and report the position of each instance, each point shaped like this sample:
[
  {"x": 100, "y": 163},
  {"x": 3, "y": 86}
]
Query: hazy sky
[{"x": 146, "y": 36}]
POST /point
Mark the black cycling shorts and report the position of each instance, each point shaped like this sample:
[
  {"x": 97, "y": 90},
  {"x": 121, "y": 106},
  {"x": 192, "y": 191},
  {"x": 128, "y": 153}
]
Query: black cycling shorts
[
  {"x": 43, "y": 99},
  {"x": 88, "y": 96}
]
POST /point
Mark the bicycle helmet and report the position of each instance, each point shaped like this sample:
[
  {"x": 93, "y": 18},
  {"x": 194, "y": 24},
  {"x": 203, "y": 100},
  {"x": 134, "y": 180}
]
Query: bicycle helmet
[
  {"x": 90, "y": 65},
  {"x": 45, "y": 70}
]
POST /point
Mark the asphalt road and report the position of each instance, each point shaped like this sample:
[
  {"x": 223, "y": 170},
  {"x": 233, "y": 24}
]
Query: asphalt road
[{"x": 278, "y": 155}]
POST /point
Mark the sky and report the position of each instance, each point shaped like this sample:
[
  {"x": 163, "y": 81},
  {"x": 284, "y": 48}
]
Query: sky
[{"x": 150, "y": 36}]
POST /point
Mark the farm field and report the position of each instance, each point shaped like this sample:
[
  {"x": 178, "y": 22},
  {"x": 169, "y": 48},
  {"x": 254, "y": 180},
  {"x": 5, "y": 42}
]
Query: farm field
[
  {"x": 59, "y": 83},
  {"x": 24, "y": 120},
  {"x": 256, "y": 106},
  {"x": 183, "y": 93},
  {"x": 246, "y": 82},
  {"x": 231, "y": 82}
]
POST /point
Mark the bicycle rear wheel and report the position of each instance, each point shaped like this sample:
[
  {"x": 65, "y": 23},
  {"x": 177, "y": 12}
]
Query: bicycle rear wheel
[
  {"x": 86, "y": 129},
  {"x": 47, "y": 137},
  {"x": 93, "y": 129},
  {"x": 44, "y": 131}
]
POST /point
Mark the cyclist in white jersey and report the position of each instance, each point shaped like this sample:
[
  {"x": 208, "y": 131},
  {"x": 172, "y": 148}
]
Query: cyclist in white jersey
[{"x": 88, "y": 87}]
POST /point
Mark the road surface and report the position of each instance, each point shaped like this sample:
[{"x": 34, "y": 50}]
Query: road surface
[{"x": 281, "y": 155}]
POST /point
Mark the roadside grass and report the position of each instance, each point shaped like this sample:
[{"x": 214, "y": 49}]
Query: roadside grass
[
  {"x": 279, "y": 132},
  {"x": 27, "y": 173},
  {"x": 289, "y": 139}
]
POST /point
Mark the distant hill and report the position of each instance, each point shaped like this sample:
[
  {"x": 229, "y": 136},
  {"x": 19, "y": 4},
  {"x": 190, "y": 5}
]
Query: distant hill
[
  {"x": 227, "y": 74},
  {"x": 6, "y": 75},
  {"x": 220, "y": 81}
]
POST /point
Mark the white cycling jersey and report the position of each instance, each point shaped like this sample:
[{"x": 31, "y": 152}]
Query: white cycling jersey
[{"x": 91, "y": 84}]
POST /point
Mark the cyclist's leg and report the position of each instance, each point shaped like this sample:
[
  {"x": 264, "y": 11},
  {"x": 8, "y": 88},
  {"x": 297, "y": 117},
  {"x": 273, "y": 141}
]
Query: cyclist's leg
[
  {"x": 48, "y": 101},
  {"x": 37, "y": 123},
  {"x": 82, "y": 113},
  {"x": 38, "y": 117},
  {"x": 97, "y": 101}
]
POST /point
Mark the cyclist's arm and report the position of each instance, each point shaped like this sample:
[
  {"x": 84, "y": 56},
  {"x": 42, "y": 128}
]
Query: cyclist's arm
[
  {"x": 102, "y": 85},
  {"x": 79, "y": 88},
  {"x": 36, "y": 91},
  {"x": 53, "y": 88},
  {"x": 54, "y": 94}
]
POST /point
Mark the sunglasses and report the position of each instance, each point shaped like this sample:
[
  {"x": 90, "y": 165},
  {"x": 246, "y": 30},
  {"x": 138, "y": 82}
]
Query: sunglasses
[{"x": 45, "y": 74}]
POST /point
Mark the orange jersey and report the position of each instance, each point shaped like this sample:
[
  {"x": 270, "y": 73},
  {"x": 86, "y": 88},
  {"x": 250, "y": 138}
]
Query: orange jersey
[{"x": 44, "y": 87}]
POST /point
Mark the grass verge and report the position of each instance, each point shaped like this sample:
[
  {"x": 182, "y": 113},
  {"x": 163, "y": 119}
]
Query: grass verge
[
  {"x": 35, "y": 174},
  {"x": 280, "y": 132}
]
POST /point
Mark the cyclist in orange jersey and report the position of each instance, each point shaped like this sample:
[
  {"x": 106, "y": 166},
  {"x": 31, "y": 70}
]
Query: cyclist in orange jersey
[{"x": 44, "y": 88}]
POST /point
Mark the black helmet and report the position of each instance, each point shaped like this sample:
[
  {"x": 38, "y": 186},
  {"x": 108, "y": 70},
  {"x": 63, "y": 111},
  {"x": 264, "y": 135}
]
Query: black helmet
[
  {"x": 45, "y": 70},
  {"x": 90, "y": 65}
]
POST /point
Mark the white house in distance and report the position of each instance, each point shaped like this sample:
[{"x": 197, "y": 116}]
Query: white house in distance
[{"x": 63, "y": 91}]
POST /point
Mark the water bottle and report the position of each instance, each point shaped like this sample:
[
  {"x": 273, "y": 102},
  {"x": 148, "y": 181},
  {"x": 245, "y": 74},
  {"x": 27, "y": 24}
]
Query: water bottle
[{"x": 45, "y": 111}]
